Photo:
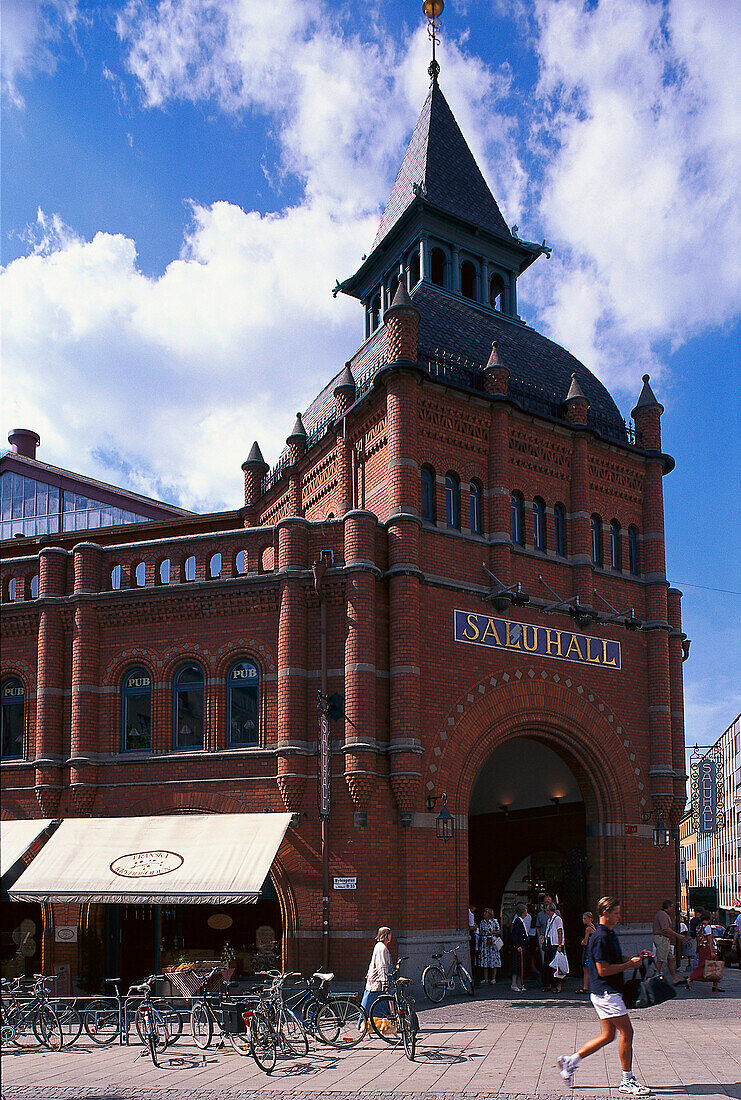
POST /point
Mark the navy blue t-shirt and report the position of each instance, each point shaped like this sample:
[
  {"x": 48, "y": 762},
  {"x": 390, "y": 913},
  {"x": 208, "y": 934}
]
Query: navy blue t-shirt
[{"x": 604, "y": 947}]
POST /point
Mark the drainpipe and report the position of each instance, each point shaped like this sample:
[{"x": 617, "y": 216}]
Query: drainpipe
[{"x": 318, "y": 569}]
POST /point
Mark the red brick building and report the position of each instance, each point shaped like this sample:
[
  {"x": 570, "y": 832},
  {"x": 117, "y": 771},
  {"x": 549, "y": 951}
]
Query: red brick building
[{"x": 498, "y": 624}]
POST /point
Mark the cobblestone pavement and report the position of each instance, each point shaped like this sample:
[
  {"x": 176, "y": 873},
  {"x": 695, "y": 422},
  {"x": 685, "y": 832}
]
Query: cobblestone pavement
[{"x": 492, "y": 1046}]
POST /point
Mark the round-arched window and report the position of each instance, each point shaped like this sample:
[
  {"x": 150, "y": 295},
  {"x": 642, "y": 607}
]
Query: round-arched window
[
  {"x": 452, "y": 501},
  {"x": 243, "y": 704},
  {"x": 188, "y": 708},
  {"x": 13, "y": 698},
  {"x": 468, "y": 280},
  {"x": 437, "y": 267},
  {"x": 496, "y": 291},
  {"x": 136, "y": 711}
]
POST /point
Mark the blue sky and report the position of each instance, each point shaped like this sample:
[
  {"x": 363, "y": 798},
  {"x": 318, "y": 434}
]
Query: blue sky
[{"x": 183, "y": 181}]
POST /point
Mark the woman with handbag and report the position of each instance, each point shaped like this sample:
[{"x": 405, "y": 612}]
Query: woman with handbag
[
  {"x": 490, "y": 943},
  {"x": 709, "y": 967}
]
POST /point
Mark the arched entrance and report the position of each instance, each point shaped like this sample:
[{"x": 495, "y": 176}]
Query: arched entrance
[{"x": 527, "y": 832}]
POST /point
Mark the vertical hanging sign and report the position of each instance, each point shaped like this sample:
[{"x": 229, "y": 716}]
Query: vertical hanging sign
[
  {"x": 707, "y": 792},
  {"x": 325, "y": 766}
]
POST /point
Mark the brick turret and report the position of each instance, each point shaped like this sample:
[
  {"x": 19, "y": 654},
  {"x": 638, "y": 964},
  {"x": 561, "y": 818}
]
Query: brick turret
[
  {"x": 576, "y": 405},
  {"x": 255, "y": 467},
  {"x": 496, "y": 373},
  {"x": 647, "y": 417},
  {"x": 296, "y": 451},
  {"x": 344, "y": 391},
  {"x": 402, "y": 325}
]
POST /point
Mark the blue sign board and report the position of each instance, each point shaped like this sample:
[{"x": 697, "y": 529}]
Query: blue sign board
[
  {"x": 707, "y": 790},
  {"x": 541, "y": 641}
]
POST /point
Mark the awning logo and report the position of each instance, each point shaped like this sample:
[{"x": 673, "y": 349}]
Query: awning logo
[{"x": 146, "y": 864}]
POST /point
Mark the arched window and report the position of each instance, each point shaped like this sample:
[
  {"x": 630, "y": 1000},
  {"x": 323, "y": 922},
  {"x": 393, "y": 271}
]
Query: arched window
[
  {"x": 243, "y": 703},
  {"x": 414, "y": 269},
  {"x": 452, "y": 501},
  {"x": 140, "y": 574},
  {"x": 596, "y": 533},
  {"x": 189, "y": 568},
  {"x": 437, "y": 267},
  {"x": 188, "y": 709},
  {"x": 214, "y": 566},
  {"x": 616, "y": 552},
  {"x": 9, "y": 593},
  {"x": 34, "y": 586},
  {"x": 428, "y": 494},
  {"x": 539, "y": 540},
  {"x": 393, "y": 286},
  {"x": 164, "y": 571},
  {"x": 518, "y": 516},
  {"x": 468, "y": 280},
  {"x": 496, "y": 292},
  {"x": 375, "y": 314},
  {"x": 475, "y": 500},
  {"x": 13, "y": 698},
  {"x": 559, "y": 529},
  {"x": 633, "y": 560},
  {"x": 136, "y": 711},
  {"x": 241, "y": 562},
  {"x": 116, "y": 577}
]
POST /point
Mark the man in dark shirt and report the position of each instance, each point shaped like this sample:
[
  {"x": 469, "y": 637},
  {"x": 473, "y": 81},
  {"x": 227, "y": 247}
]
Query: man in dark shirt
[{"x": 606, "y": 969}]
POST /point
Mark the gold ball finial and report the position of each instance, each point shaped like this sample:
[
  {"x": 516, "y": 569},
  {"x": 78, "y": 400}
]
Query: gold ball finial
[{"x": 433, "y": 9}]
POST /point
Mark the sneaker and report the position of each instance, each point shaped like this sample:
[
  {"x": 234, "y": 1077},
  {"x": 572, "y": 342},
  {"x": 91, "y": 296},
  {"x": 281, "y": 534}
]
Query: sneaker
[
  {"x": 564, "y": 1065},
  {"x": 634, "y": 1088}
]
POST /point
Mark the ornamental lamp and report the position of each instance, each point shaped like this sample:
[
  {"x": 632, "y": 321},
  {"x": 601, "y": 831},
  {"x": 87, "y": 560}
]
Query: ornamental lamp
[
  {"x": 444, "y": 822},
  {"x": 433, "y": 9},
  {"x": 661, "y": 834}
]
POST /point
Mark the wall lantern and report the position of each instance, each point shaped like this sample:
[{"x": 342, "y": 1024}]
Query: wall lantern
[
  {"x": 444, "y": 825},
  {"x": 661, "y": 833}
]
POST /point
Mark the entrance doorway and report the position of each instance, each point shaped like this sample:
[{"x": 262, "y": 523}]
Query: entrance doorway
[{"x": 527, "y": 836}]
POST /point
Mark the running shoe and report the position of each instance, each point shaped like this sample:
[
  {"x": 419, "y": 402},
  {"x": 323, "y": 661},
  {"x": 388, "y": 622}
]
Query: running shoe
[
  {"x": 634, "y": 1088},
  {"x": 564, "y": 1065}
]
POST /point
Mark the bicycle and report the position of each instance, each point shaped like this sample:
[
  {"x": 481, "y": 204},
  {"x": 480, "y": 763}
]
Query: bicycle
[
  {"x": 437, "y": 979},
  {"x": 150, "y": 1024},
  {"x": 207, "y": 1014},
  {"x": 109, "y": 1018},
  {"x": 29, "y": 1014},
  {"x": 336, "y": 1019},
  {"x": 393, "y": 1016},
  {"x": 273, "y": 1025}
]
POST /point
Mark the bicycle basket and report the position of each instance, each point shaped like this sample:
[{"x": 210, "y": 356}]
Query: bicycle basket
[{"x": 236, "y": 1017}]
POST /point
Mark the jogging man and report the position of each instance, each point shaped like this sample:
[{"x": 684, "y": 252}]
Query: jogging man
[{"x": 606, "y": 969}]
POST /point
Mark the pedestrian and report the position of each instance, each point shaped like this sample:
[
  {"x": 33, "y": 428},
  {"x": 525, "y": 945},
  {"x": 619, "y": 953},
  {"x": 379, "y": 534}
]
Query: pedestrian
[
  {"x": 705, "y": 953},
  {"x": 518, "y": 933},
  {"x": 472, "y": 937},
  {"x": 695, "y": 921},
  {"x": 606, "y": 969},
  {"x": 381, "y": 965},
  {"x": 541, "y": 921},
  {"x": 552, "y": 941},
  {"x": 488, "y": 956},
  {"x": 665, "y": 938},
  {"x": 588, "y": 922},
  {"x": 531, "y": 957}
]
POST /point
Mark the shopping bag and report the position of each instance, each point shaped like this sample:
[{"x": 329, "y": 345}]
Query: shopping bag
[
  {"x": 714, "y": 969},
  {"x": 498, "y": 943},
  {"x": 560, "y": 965}
]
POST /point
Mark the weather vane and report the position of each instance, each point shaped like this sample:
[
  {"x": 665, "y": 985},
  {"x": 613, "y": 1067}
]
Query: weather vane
[{"x": 433, "y": 9}]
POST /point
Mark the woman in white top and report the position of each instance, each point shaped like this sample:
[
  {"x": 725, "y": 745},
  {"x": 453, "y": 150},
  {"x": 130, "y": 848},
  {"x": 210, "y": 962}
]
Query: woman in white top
[{"x": 377, "y": 978}]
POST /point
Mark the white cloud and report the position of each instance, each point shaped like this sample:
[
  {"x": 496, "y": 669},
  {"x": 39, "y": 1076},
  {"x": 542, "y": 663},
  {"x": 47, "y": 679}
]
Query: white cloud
[
  {"x": 640, "y": 193},
  {"x": 31, "y": 28}
]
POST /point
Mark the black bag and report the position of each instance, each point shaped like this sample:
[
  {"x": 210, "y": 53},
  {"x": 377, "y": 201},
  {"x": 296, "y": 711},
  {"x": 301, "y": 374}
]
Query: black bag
[
  {"x": 632, "y": 988},
  {"x": 233, "y": 1018},
  {"x": 652, "y": 990}
]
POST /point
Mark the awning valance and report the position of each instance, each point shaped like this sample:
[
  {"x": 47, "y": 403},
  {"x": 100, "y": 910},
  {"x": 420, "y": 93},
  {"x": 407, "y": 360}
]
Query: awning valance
[
  {"x": 16, "y": 837},
  {"x": 185, "y": 859}
]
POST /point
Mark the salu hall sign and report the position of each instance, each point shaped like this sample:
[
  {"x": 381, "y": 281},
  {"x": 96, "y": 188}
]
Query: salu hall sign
[{"x": 543, "y": 641}]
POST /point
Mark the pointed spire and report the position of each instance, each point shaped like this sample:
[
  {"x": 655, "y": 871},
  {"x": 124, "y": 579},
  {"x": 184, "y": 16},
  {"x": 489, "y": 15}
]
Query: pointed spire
[
  {"x": 575, "y": 390},
  {"x": 647, "y": 399},
  {"x": 254, "y": 458},
  {"x": 345, "y": 383},
  {"x": 299, "y": 431},
  {"x": 495, "y": 359},
  {"x": 440, "y": 164},
  {"x": 496, "y": 373},
  {"x": 401, "y": 300}
]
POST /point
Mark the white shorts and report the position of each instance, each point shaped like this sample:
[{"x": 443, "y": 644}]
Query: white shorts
[{"x": 608, "y": 1004}]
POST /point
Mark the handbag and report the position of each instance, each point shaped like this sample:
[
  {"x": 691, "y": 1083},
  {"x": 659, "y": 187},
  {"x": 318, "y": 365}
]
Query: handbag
[
  {"x": 653, "y": 990},
  {"x": 498, "y": 943},
  {"x": 714, "y": 969},
  {"x": 689, "y": 949}
]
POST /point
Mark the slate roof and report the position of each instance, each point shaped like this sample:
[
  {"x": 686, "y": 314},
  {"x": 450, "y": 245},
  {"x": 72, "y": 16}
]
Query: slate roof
[
  {"x": 450, "y": 328},
  {"x": 439, "y": 158}
]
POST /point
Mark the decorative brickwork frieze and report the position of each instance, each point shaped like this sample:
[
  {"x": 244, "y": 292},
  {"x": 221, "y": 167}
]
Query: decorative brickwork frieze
[
  {"x": 453, "y": 427},
  {"x": 606, "y": 474},
  {"x": 532, "y": 451}
]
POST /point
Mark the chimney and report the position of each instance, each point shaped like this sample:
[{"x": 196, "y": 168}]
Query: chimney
[{"x": 24, "y": 442}]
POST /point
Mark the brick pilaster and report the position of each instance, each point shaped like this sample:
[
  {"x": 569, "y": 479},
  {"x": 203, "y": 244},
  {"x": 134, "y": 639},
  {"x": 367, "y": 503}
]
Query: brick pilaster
[
  {"x": 676, "y": 692},
  {"x": 293, "y": 732},
  {"x": 50, "y": 682},
  {"x": 361, "y": 756},
  {"x": 579, "y": 535}
]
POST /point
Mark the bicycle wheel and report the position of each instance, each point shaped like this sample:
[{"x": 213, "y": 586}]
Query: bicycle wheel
[
  {"x": 150, "y": 1024},
  {"x": 348, "y": 1024},
  {"x": 384, "y": 1019},
  {"x": 173, "y": 1020},
  {"x": 18, "y": 1020},
  {"x": 201, "y": 1027},
  {"x": 100, "y": 1020},
  {"x": 433, "y": 983},
  {"x": 69, "y": 1019},
  {"x": 464, "y": 979},
  {"x": 263, "y": 1042},
  {"x": 293, "y": 1035},
  {"x": 151, "y": 1045},
  {"x": 409, "y": 1033},
  {"x": 47, "y": 1028}
]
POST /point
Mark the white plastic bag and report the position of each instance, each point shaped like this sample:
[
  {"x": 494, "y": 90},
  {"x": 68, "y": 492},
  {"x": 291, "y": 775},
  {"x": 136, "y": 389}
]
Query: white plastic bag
[{"x": 560, "y": 965}]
